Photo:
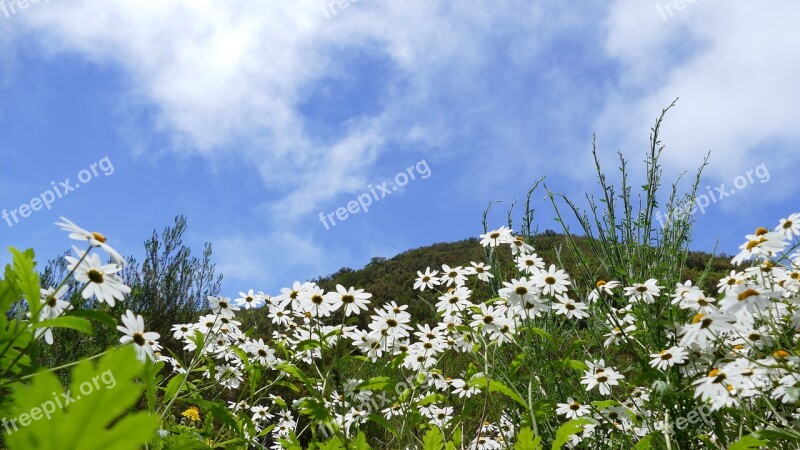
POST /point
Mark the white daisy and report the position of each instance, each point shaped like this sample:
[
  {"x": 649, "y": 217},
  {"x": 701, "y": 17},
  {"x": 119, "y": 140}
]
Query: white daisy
[
  {"x": 101, "y": 281},
  {"x": 134, "y": 332}
]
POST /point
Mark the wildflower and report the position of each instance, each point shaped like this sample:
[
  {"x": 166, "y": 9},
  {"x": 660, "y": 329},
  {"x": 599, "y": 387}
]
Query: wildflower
[
  {"x": 747, "y": 297},
  {"x": 192, "y": 413},
  {"x": 552, "y": 281},
  {"x": 101, "y": 281},
  {"x": 715, "y": 388},
  {"x": 706, "y": 327},
  {"x": 572, "y": 409},
  {"x": 261, "y": 353},
  {"x": 179, "y": 331},
  {"x": 94, "y": 238},
  {"x": 455, "y": 275},
  {"x": 790, "y": 226},
  {"x": 426, "y": 280},
  {"x": 353, "y": 300},
  {"x": 646, "y": 292},
  {"x": 497, "y": 237},
  {"x": 454, "y": 301},
  {"x": 617, "y": 334},
  {"x": 570, "y": 308},
  {"x": 249, "y": 299},
  {"x": 519, "y": 246},
  {"x": 763, "y": 244},
  {"x": 602, "y": 287},
  {"x": 134, "y": 332},
  {"x": 52, "y": 307},
  {"x": 602, "y": 378},
  {"x": 667, "y": 358},
  {"x": 529, "y": 263},
  {"x": 730, "y": 282},
  {"x": 222, "y": 306},
  {"x": 481, "y": 270},
  {"x": 520, "y": 292},
  {"x": 260, "y": 413}
]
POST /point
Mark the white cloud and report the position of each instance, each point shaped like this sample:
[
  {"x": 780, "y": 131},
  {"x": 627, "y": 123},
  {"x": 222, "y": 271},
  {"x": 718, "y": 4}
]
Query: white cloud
[{"x": 730, "y": 63}]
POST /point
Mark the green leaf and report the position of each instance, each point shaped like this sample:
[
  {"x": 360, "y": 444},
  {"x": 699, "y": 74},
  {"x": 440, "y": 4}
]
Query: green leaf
[
  {"x": 71, "y": 322},
  {"x": 360, "y": 442},
  {"x": 644, "y": 443},
  {"x": 375, "y": 383},
  {"x": 93, "y": 416},
  {"x": 774, "y": 434},
  {"x": 574, "y": 364},
  {"x": 496, "y": 386},
  {"x": 332, "y": 444},
  {"x": 542, "y": 333},
  {"x": 527, "y": 441},
  {"x": 747, "y": 442},
  {"x": 173, "y": 386},
  {"x": 380, "y": 420},
  {"x": 27, "y": 279},
  {"x": 433, "y": 440},
  {"x": 570, "y": 428},
  {"x": 93, "y": 314}
]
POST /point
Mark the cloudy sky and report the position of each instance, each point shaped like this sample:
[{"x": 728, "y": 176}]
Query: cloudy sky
[{"x": 254, "y": 119}]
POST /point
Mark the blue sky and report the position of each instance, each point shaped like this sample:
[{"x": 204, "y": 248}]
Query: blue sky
[{"x": 252, "y": 118}]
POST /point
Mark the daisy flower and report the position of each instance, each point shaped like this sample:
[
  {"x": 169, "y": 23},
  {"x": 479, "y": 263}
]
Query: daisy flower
[
  {"x": 790, "y": 227},
  {"x": 762, "y": 244},
  {"x": 426, "y": 280},
  {"x": 520, "y": 292},
  {"x": 353, "y": 300},
  {"x": 315, "y": 301},
  {"x": 249, "y": 299},
  {"x": 706, "y": 327},
  {"x": 603, "y": 287},
  {"x": 601, "y": 377},
  {"x": 94, "y": 238},
  {"x": 134, "y": 332},
  {"x": 497, "y": 237},
  {"x": 101, "y": 281},
  {"x": 529, "y": 263},
  {"x": 455, "y": 275},
  {"x": 572, "y": 409},
  {"x": 552, "y": 281},
  {"x": 667, "y": 358},
  {"x": 519, "y": 246},
  {"x": 729, "y": 282},
  {"x": 748, "y": 297},
  {"x": 570, "y": 308},
  {"x": 222, "y": 306},
  {"x": 454, "y": 301},
  {"x": 52, "y": 307},
  {"x": 179, "y": 331},
  {"x": 261, "y": 353},
  {"x": 646, "y": 292},
  {"x": 715, "y": 388},
  {"x": 481, "y": 270}
]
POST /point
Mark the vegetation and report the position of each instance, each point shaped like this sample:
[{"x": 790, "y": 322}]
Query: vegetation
[{"x": 613, "y": 337}]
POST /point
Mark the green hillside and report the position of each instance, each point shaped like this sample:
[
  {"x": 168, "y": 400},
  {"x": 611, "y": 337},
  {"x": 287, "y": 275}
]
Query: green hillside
[{"x": 393, "y": 278}]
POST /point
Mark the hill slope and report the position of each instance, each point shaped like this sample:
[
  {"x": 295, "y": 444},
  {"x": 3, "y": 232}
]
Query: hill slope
[{"x": 393, "y": 278}]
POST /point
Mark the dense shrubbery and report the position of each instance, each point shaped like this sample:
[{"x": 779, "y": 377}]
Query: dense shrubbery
[{"x": 507, "y": 351}]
